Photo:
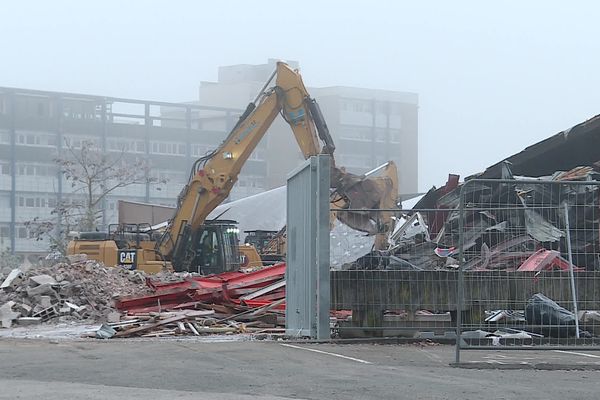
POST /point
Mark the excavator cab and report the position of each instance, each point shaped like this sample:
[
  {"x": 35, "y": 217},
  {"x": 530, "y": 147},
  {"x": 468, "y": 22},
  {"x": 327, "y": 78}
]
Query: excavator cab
[{"x": 212, "y": 249}]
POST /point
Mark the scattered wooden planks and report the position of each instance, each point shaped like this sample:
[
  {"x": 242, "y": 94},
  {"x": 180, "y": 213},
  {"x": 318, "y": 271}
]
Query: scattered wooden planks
[{"x": 206, "y": 320}]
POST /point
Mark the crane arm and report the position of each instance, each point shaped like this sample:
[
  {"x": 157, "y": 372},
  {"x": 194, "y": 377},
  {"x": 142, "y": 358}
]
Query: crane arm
[{"x": 214, "y": 175}]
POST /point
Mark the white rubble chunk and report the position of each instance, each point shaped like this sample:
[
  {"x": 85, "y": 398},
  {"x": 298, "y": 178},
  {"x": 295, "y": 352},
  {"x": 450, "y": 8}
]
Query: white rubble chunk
[
  {"x": 44, "y": 280},
  {"x": 7, "y": 315},
  {"x": 13, "y": 278}
]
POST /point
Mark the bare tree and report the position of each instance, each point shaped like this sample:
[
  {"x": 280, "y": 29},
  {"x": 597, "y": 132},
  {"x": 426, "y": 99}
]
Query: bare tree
[{"x": 93, "y": 175}]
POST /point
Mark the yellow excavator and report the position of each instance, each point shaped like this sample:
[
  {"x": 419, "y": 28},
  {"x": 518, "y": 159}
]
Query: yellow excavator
[{"x": 190, "y": 242}]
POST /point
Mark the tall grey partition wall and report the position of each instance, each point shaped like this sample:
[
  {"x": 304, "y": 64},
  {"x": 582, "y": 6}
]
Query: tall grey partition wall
[{"x": 307, "y": 272}]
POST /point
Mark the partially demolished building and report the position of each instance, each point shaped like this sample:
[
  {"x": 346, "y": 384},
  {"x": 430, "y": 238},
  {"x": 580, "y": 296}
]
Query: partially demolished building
[{"x": 522, "y": 213}]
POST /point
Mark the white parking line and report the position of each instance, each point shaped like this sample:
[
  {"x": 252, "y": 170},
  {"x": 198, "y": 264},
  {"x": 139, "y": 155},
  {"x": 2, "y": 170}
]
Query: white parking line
[
  {"x": 326, "y": 352},
  {"x": 578, "y": 354}
]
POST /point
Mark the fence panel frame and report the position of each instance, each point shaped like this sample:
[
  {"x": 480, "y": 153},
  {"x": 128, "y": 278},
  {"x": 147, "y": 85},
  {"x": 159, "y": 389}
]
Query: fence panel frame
[
  {"x": 307, "y": 258},
  {"x": 585, "y": 282}
]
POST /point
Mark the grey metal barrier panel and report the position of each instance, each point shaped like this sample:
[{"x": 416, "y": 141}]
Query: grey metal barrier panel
[
  {"x": 529, "y": 261},
  {"x": 307, "y": 272},
  {"x": 389, "y": 275}
]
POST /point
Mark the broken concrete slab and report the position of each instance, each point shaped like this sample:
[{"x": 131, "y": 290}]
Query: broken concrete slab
[
  {"x": 13, "y": 279},
  {"x": 113, "y": 317},
  {"x": 28, "y": 321},
  {"x": 46, "y": 301},
  {"x": 43, "y": 280},
  {"x": 24, "y": 309},
  {"x": 7, "y": 315},
  {"x": 75, "y": 307},
  {"x": 65, "y": 310},
  {"x": 39, "y": 290}
]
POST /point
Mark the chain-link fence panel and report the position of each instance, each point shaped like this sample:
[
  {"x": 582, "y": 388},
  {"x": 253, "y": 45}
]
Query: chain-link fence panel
[{"x": 529, "y": 262}]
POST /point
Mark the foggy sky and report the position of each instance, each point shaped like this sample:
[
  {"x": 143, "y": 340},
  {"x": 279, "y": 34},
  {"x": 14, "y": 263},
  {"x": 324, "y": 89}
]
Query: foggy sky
[{"x": 492, "y": 77}]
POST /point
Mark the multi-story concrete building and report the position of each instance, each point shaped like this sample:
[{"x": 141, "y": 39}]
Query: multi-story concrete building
[
  {"x": 34, "y": 126},
  {"x": 369, "y": 126}
]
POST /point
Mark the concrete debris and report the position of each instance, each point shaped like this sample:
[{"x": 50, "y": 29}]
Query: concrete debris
[
  {"x": 7, "y": 315},
  {"x": 75, "y": 307},
  {"x": 77, "y": 258},
  {"x": 113, "y": 316},
  {"x": 46, "y": 314},
  {"x": 43, "y": 280},
  {"x": 62, "y": 291},
  {"x": 46, "y": 301},
  {"x": 28, "y": 321},
  {"x": 14, "y": 278},
  {"x": 39, "y": 290}
]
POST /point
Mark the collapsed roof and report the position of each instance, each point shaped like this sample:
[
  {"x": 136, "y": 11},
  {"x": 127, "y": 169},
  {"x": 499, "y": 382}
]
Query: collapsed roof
[{"x": 574, "y": 147}]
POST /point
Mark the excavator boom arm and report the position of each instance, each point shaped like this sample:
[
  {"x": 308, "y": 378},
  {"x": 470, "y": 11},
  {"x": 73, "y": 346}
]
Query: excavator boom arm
[{"x": 214, "y": 176}]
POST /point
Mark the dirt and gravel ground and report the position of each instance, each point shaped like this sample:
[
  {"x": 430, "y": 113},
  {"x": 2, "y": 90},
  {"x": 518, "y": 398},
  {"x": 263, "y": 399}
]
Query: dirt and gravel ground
[{"x": 191, "y": 369}]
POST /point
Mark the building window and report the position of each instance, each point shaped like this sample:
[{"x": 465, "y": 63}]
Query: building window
[
  {"x": 257, "y": 155},
  {"x": 35, "y": 170},
  {"x": 36, "y": 139},
  {"x": 36, "y": 202},
  {"x": 76, "y": 142},
  {"x": 251, "y": 181},
  {"x": 4, "y": 231},
  {"x": 396, "y": 108},
  {"x": 169, "y": 148},
  {"x": 355, "y": 160},
  {"x": 395, "y": 135},
  {"x": 356, "y": 133},
  {"x": 4, "y": 137},
  {"x": 5, "y": 169},
  {"x": 124, "y": 145},
  {"x": 199, "y": 150},
  {"x": 381, "y": 135},
  {"x": 22, "y": 232}
]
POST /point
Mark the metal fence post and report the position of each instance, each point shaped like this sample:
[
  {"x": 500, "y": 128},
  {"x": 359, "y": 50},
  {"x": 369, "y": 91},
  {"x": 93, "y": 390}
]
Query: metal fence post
[
  {"x": 571, "y": 276},
  {"x": 322, "y": 247},
  {"x": 460, "y": 283},
  {"x": 307, "y": 272}
]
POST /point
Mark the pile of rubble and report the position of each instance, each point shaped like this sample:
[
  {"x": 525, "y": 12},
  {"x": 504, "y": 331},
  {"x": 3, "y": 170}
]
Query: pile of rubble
[
  {"x": 72, "y": 289},
  {"x": 511, "y": 225},
  {"x": 131, "y": 304},
  {"x": 231, "y": 302}
]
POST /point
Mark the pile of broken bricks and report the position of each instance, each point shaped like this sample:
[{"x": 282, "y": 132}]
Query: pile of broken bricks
[{"x": 64, "y": 291}]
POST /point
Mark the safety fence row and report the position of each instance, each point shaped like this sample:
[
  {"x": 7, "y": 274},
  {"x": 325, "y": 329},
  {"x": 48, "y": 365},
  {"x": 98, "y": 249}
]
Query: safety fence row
[{"x": 501, "y": 263}]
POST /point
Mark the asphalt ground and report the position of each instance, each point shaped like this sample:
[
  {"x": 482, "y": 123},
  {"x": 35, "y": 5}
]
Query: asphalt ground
[{"x": 188, "y": 369}]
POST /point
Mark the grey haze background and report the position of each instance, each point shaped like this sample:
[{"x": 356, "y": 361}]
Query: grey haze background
[{"x": 492, "y": 77}]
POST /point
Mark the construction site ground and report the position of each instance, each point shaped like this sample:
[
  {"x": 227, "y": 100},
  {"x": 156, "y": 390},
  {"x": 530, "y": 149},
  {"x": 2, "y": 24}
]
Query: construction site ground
[{"x": 191, "y": 369}]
